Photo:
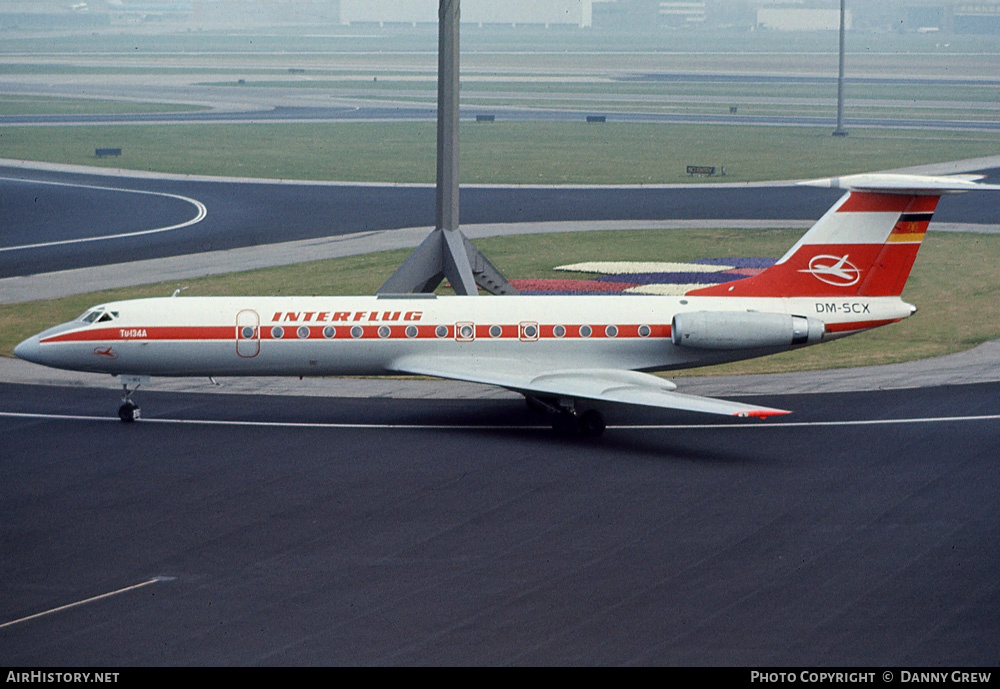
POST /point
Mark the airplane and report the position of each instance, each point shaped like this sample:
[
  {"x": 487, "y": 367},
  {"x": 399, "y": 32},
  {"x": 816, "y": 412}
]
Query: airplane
[{"x": 568, "y": 355}]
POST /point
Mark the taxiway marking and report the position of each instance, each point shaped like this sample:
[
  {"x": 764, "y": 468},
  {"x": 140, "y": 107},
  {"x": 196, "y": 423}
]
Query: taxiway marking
[
  {"x": 92, "y": 599},
  {"x": 199, "y": 216},
  {"x": 480, "y": 427}
]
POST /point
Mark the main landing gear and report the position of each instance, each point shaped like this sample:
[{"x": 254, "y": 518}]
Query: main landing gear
[{"x": 568, "y": 419}]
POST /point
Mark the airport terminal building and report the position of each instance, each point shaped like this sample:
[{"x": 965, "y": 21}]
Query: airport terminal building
[{"x": 924, "y": 16}]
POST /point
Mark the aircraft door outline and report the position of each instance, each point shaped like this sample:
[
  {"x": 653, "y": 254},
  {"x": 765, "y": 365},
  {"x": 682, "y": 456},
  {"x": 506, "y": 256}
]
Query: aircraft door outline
[{"x": 247, "y": 334}]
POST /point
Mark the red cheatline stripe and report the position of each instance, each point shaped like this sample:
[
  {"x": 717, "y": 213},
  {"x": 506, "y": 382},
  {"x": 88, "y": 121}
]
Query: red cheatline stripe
[
  {"x": 480, "y": 332},
  {"x": 346, "y": 332},
  {"x": 167, "y": 333}
]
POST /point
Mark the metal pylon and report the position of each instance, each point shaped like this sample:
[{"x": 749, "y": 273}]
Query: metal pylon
[{"x": 447, "y": 252}]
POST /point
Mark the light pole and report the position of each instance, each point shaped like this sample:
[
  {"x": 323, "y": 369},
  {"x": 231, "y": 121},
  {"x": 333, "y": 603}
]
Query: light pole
[{"x": 840, "y": 131}]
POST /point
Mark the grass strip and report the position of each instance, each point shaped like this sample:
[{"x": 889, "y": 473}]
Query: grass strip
[
  {"x": 953, "y": 283},
  {"x": 495, "y": 153}
]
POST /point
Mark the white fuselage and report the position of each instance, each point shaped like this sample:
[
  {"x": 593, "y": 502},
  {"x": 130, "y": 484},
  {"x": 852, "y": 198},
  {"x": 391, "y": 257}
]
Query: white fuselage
[{"x": 318, "y": 336}]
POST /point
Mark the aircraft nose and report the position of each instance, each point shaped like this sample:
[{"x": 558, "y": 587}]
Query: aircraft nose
[{"x": 29, "y": 350}]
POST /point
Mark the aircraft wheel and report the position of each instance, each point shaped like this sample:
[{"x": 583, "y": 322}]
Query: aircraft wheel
[
  {"x": 128, "y": 412},
  {"x": 592, "y": 423},
  {"x": 564, "y": 423}
]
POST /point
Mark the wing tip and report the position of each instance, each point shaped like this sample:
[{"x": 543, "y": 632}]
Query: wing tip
[{"x": 761, "y": 413}]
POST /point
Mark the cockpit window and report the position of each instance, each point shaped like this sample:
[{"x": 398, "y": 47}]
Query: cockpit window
[{"x": 98, "y": 316}]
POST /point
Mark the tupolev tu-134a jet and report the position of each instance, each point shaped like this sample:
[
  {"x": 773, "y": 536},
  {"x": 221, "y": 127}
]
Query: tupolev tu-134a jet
[{"x": 567, "y": 355}]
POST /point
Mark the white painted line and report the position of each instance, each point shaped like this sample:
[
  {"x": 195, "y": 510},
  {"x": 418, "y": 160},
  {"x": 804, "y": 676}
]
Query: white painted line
[
  {"x": 52, "y": 417},
  {"x": 813, "y": 424},
  {"x": 749, "y": 424},
  {"x": 266, "y": 424},
  {"x": 199, "y": 216},
  {"x": 85, "y": 601}
]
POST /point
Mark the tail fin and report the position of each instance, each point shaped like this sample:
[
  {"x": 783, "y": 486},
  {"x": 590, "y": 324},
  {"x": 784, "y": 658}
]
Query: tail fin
[{"x": 864, "y": 246}]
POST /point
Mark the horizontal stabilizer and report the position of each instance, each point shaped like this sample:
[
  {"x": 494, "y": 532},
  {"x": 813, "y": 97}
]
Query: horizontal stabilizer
[
  {"x": 890, "y": 183},
  {"x": 605, "y": 385}
]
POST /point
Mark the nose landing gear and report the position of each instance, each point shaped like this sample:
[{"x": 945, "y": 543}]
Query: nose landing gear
[{"x": 129, "y": 411}]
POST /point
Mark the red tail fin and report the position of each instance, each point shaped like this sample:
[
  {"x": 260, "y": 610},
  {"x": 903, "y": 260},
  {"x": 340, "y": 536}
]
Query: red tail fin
[{"x": 865, "y": 246}]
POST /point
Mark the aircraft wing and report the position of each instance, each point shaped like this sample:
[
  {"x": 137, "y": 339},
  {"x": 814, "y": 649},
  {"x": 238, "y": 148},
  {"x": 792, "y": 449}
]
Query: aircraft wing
[{"x": 605, "y": 385}]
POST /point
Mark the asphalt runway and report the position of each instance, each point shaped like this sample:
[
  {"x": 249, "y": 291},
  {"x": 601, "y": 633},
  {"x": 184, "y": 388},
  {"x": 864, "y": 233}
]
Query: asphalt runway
[
  {"x": 249, "y": 530},
  {"x": 37, "y": 237}
]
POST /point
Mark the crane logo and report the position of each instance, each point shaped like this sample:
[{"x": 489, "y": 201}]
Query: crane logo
[{"x": 833, "y": 270}]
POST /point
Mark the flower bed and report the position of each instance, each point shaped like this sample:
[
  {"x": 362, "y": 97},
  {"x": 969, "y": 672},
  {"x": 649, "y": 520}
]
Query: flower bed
[
  {"x": 648, "y": 277},
  {"x": 630, "y": 267},
  {"x": 583, "y": 286},
  {"x": 730, "y": 262},
  {"x": 672, "y": 278}
]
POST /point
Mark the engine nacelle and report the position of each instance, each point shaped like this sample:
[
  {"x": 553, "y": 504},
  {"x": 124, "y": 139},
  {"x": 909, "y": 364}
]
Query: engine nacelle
[{"x": 743, "y": 330}]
